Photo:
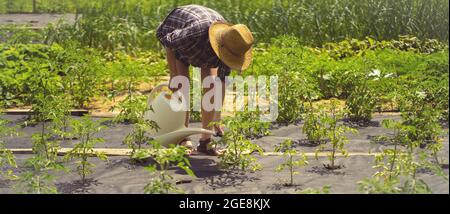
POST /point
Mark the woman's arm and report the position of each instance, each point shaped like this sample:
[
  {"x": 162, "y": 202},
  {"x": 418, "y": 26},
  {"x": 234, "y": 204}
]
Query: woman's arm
[{"x": 171, "y": 61}]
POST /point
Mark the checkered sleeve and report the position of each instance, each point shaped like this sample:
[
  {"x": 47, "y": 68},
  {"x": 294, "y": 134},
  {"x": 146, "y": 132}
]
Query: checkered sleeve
[{"x": 179, "y": 38}]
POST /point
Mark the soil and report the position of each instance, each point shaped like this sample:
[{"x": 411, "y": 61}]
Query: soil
[
  {"x": 119, "y": 175},
  {"x": 35, "y": 20}
]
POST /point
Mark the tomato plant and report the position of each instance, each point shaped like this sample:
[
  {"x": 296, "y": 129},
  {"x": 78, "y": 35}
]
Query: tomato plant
[
  {"x": 421, "y": 116},
  {"x": 251, "y": 125},
  {"x": 323, "y": 190},
  {"x": 238, "y": 149},
  {"x": 38, "y": 180},
  {"x": 164, "y": 158},
  {"x": 336, "y": 133},
  {"x": 397, "y": 167},
  {"x": 7, "y": 158},
  {"x": 291, "y": 162},
  {"x": 361, "y": 103},
  {"x": 131, "y": 109},
  {"x": 314, "y": 125},
  {"x": 85, "y": 130},
  {"x": 139, "y": 137}
]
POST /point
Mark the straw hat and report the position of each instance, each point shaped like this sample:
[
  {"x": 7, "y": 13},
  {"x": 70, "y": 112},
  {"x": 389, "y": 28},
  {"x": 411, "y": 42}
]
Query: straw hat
[{"x": 232, "y": 44}]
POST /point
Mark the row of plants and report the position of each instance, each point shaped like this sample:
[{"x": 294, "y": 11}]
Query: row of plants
[
  {"x": 352, "y": 47},
  {"x": 83, "y": 74},
  {"x": 130, "y": 23},
  {"x": 416, "y": 141},
  {"x": 368, "y": 82}
]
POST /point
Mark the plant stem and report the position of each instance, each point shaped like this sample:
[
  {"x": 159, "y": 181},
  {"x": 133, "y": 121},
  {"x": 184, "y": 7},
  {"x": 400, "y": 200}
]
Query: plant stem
[
  {"x": 393, "y": 160},
  {"x": 334, "y": 138},
  {"x": 291, "y": 168},
  {"x": 38, "y": 178},
  {"x": 43, "y": 140}
]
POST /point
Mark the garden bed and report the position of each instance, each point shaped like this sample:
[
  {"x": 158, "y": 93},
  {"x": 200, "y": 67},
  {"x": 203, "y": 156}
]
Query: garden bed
[{"x": 120, "y": 175}]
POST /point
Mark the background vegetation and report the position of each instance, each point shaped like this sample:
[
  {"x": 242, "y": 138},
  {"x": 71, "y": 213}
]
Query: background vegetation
[{"x": 312, "y": 22}]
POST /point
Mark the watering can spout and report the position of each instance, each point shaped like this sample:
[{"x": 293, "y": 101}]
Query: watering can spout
[
  {"x": 172, "y": 129},
  {"x": 179, "y": 135}
]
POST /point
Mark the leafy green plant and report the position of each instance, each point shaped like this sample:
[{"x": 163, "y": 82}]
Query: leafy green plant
[
  {"x": 290, "y": 104},
  {"x": 398, "y": 176},
  {"x": 323, "y": 190},
  {"x": 336, "y": 133},
  {"x": 238, "y": 149},
  {"x": 7, "y": 158},
  {"x": 314, "y": 125},
  {"x": 361, "y": 103},
  {"x": 355, "y": 47},
  {"x": 48, "y": 108},
  {"x": 421, "y": 116},
  {"x": 251, "y": 125},
  {"x": 291, "y": 161},
  {"x": 131, "y": 109},
  {"x": 38, "y": 180},
  {"x": 82, "y": 71},
  {"x": 85, "y": 130},
  {"x": 138, "y": 137},
  {"x": 397, "y": 167},
  {"x": 60, "y": 117},
  {"x": 163, "y": 182}
]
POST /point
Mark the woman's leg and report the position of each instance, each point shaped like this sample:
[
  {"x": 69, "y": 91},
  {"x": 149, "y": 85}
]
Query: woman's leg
[
  {"x": 210, "y": 116},
  {"x": 183, "y": 70},
  {"x": 177, "y": 68}
]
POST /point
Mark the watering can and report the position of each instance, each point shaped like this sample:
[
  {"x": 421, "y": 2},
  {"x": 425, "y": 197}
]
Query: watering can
[{"x": 172, "y": 129}]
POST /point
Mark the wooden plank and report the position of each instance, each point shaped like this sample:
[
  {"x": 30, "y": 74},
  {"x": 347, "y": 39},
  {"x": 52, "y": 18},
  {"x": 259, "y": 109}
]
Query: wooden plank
[
  {"x": 324, "y": 154},
  {"x": 74, "y": 112},
  {"x": 63, "y": 151},
  {"x": 104, "y": 114}
]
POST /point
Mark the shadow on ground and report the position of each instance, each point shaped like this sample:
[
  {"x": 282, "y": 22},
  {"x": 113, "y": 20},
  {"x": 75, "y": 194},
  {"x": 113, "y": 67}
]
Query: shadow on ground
[{"x": 77, "y": 186}]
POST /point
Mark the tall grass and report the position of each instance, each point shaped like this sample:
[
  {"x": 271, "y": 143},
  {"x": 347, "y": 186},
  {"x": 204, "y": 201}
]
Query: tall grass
[{"x": 314, "y": 22}]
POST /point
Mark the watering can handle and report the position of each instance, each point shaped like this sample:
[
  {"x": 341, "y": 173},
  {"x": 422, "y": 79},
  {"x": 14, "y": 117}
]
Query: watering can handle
[{"x": 155, "y": 90}]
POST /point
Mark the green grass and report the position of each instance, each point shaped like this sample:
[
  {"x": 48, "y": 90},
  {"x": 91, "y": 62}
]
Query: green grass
[{"x": 313, "y": 22}]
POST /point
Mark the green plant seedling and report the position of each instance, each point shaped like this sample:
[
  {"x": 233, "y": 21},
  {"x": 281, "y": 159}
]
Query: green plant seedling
[
  {"x": 291, "y": 162},
  {"x": 48, "y": 105},
  {"x": 131, "y": 109},
  {"x": 336, "y": 133},
  {"x": 138, "y": 137},
  {"x": 251, "y": 126},
  {"x": 43, "y": 145},
  {"x": 361, "y": 103},
  {"x": 85, "y": 130},
  {"x": 421, "y": 119},
  {"x": 38, "y": 180},
  {"x": 60, "y": 117},
  {"x": 162, "y": 182},
  {"x": 314, "y": 125},
  {"x": 398, "y": 167},
  {"x": 238, "y": 149},
  {"x": 398, "y": 178},
  {"x": 7, "y": 158},
  {"x": 323, "y": 190}
]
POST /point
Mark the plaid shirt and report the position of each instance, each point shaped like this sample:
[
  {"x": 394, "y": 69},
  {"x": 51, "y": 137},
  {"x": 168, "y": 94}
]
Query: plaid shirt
[{"x": 185, "y": 30}]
